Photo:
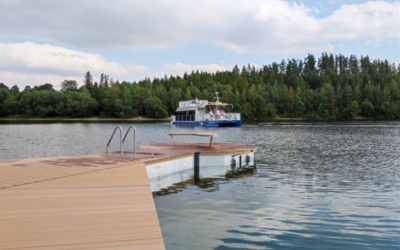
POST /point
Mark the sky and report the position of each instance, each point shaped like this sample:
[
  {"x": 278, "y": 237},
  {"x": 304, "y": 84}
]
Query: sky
[{"x": 47, "y": 41}]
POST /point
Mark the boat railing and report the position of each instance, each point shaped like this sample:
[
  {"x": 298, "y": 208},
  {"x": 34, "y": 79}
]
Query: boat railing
[
  {"x": 219, "y": 117},
  {"x": 235, "y": 116},
  {"x": 134, "y": 137},
  {"x": 120, "y": 139},
  {"x": 192, "y": 103}
]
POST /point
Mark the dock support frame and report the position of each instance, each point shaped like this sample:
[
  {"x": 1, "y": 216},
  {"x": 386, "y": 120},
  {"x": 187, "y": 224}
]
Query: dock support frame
[{"x": 196, "y": 166}]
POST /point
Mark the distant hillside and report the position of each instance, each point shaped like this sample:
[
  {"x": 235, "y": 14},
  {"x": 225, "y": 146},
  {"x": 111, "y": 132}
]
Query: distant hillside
[{"x": 330, "y": 87}]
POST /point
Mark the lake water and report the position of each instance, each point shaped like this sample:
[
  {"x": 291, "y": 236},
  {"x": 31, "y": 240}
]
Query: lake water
[{"x": 316, "y": 186}]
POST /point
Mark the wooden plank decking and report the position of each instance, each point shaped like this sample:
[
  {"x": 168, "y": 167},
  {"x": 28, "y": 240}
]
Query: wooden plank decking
[
  {"x": 89, "y": 202},
  {"x": 92, "y": 202}
]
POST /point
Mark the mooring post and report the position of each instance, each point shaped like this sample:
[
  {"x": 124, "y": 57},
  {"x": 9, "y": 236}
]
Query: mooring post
[{"x": 197, "y": 166}]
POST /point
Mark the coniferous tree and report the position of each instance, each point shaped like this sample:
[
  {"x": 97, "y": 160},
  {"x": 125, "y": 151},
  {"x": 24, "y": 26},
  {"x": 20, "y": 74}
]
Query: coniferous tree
[
  {"x": 328, "y": 87},
  {"x": 88, "y": 81}
]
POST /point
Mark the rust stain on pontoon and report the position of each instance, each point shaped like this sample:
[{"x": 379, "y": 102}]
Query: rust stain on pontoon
[{"x": 87, "y": 202}]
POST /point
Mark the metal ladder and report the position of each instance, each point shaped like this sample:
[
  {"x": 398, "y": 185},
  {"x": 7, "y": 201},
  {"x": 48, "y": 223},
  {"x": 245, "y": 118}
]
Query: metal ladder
[
  {"x": 121, "y": 141},
  {"x": 134, "y": 137}
]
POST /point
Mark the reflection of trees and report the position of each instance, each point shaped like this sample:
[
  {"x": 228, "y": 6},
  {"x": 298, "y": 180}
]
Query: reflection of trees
[
  {"x": 330, "y": 156},
  {"x": 208, "y": 184}
]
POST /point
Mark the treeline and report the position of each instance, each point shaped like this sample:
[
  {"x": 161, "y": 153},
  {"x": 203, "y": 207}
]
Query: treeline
[{"x": 330, "y": 87}]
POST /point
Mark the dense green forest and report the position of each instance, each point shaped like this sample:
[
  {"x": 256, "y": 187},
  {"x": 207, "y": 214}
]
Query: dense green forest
[{"x": 330, "y": 87}]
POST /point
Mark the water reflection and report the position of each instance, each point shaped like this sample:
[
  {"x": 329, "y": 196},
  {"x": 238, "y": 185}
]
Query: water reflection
[
  {"x": 210, "y": 179},
  {"x": 317, "y": 186}
]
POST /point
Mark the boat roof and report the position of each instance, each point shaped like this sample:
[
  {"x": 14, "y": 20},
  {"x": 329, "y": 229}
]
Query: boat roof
[
  {"x": 190, "y": 105},
  {"x": 217, "y": 104},
  {"x": 189, "y": 108}
]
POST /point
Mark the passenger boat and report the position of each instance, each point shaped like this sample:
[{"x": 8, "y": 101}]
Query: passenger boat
[{"x": 205, "y": 113}]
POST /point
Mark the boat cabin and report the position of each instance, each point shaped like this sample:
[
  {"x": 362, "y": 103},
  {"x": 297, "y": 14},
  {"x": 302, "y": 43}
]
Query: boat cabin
[{"x": 203, "y": 112}]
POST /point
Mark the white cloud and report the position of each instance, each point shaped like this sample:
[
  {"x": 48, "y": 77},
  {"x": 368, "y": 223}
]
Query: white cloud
[
  {"x": 29, "y": 63},
  {"x": 372, "y": 20},
  {"x": 181, "y": 68},
  {"x": 264, "y": 27},
  {"x": 11, "y": 78},
  {"x": 258, "y": 26}
]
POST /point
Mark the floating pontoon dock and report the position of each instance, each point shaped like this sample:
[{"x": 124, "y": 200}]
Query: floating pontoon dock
[{"x": 99, "y": 201}]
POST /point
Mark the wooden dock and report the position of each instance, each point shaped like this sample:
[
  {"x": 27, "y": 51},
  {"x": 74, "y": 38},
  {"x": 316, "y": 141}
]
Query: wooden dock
[{"x": 87, "y": 202}]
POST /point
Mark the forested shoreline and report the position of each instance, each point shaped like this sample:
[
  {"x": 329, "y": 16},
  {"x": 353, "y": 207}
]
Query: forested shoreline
[{"x": 331, "y": 87}]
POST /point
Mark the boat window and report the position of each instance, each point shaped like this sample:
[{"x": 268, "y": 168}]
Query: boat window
[{"x": 185, "y": 116}]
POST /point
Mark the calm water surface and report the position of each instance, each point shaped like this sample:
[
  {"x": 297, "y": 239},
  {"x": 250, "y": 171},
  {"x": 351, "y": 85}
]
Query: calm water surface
[{"x": 316, "y": 186}]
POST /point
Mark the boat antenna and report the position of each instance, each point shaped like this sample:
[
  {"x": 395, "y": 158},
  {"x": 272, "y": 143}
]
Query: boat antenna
[{"x": 216, "y": 93}]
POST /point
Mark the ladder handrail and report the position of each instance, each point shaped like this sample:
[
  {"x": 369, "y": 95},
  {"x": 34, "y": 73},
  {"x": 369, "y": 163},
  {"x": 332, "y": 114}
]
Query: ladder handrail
[
  {"x": 120, "y": 139},
  {"x": 134, "y": 137}
]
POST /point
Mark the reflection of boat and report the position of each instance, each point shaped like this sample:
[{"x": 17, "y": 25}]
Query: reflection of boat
[{"x": 204, "y": 113}]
